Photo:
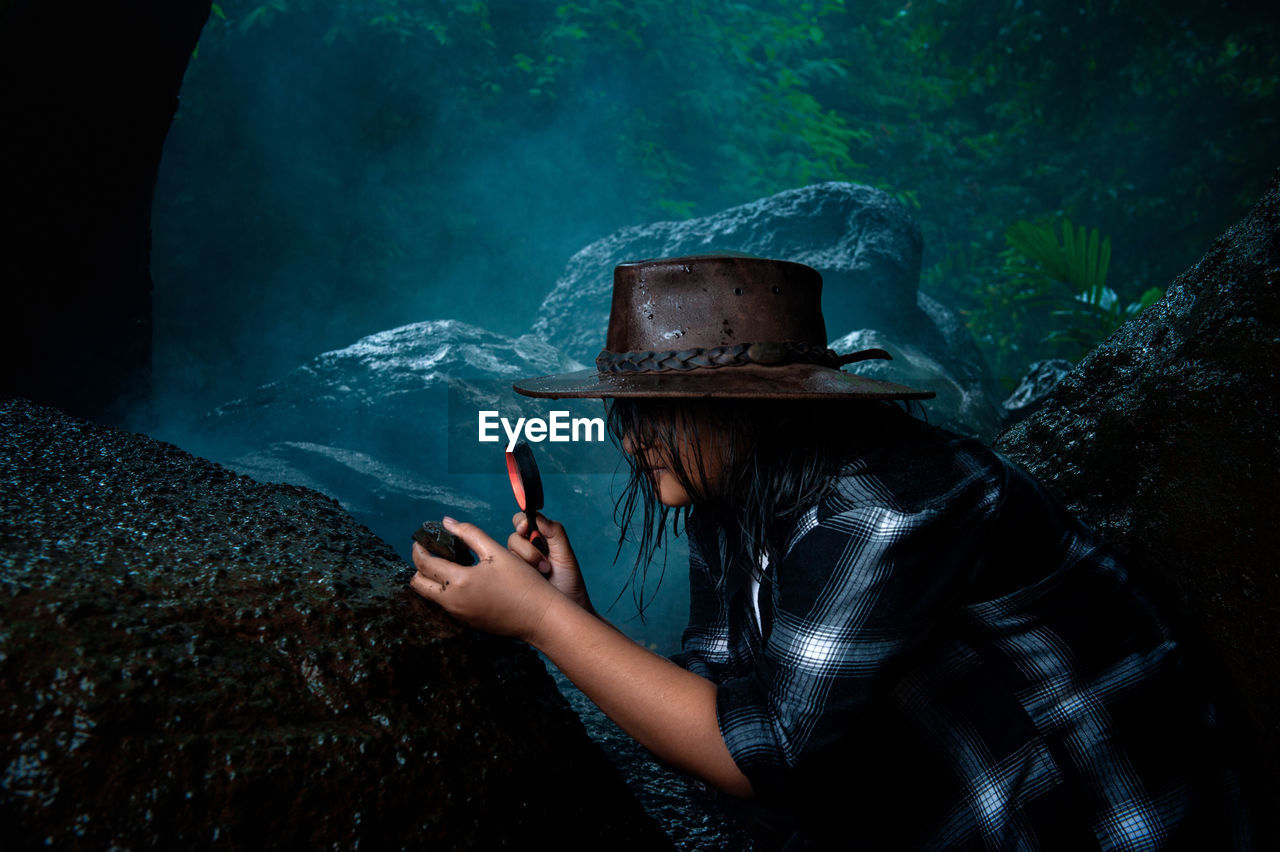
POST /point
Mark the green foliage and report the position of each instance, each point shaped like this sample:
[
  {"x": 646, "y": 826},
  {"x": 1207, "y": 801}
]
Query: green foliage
[
  {"x": 727, "y": 86},
  {"x": 1053, "y": 290},
  {"x": 1093, "y": 316},
  {"x": 584, "y": 116},
  {"x": 1035, "y": 256}
]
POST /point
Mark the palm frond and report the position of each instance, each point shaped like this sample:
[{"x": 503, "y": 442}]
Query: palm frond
[{"x": 1064, "y": 266}]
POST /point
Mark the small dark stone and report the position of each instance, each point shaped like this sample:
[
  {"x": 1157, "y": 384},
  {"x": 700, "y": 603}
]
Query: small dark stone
[{"x": 437, "y": 540}]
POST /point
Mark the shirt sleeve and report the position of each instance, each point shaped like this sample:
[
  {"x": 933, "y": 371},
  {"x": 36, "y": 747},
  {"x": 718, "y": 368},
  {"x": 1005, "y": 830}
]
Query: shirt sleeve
[
  {"x": 705, "y": 642},
  {"x": 860, "y": 586}
]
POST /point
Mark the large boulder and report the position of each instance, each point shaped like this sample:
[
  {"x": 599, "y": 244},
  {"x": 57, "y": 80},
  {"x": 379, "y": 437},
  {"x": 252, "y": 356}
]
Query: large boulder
[
  {"x": 381, "y": 388},
  {"x": 388, "y": 427},
  {"x": 367, "y": 424},
  {"x": 193, "y": 659},
  {"x": 1166, "y": 438},
  {"x": 371, "y": 425},
  {"x": 956, "y": 407},
  {"x": 867, "y": 248}
]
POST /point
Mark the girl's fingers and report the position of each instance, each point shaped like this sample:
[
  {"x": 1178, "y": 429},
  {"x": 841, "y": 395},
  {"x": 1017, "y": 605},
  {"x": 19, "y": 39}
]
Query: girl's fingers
[
  {"x": 549, "y": 528},
  {"x": 526, "y": 550},
  {"x": 429, "y": 589},
  {"x": 474, "y": 537},
  {"x": 552, "y": 531},
  {"x": 433, "y": 568}
]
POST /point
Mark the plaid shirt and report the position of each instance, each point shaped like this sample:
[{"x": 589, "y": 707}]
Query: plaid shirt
[{"x": 946, "y": 658}]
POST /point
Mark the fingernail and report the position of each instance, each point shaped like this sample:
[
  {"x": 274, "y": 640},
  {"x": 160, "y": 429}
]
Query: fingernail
[
  {"x": 544, "y": 566},
  {"x": 448, "y": 522}
]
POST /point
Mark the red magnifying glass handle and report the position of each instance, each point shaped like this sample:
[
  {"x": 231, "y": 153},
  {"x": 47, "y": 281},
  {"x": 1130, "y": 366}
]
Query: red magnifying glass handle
[{"x": 537, "y": 539}]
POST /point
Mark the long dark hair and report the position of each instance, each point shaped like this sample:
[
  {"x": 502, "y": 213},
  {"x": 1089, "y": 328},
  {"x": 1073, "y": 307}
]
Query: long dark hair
[{"x": 775, "y": 459}]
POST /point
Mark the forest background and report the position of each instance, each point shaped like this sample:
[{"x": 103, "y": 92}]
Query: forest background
[{"x": 339, "y": 167}]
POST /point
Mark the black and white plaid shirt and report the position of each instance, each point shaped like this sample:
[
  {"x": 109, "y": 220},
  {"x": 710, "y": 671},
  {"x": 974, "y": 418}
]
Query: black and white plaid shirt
[{"x": 946, "y": 658}]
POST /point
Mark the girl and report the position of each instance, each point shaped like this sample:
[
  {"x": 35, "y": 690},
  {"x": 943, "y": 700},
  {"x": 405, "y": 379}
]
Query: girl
[{"x": 896, "y": 636}]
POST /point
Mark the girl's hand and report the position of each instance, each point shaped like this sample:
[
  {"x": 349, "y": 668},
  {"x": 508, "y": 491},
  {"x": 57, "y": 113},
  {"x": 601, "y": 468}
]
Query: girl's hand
[
  {"x": 500, "y": 594},
  {"x": 560, "y": 565}
]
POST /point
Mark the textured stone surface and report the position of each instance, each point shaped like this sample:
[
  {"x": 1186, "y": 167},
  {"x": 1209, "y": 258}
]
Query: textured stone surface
[
  {"x": 1036, "y": 386},
  {"x": 956, "y": 406},
  {"x": 1167, "y": 439},
  {"x": 686, "y": 808},
  {"x": 386, "y": 393},
  {"x": 190, "y": 658},
  {"x": 862, "y": 240}
]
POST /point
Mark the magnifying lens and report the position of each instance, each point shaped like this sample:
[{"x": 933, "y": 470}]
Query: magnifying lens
[{"x": 527, "y": 486}]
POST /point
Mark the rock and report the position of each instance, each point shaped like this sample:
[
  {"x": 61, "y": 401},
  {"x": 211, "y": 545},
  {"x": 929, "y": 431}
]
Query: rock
[
  {"x": 386, "y": 427},
  {"x": 1166, "y": 438},
  {"x": 861, "y": 239},
  {"x": 190, "y": 658},
  {"x": 863, "y": 242},
  {"x": 367, "y": 424},
  {"x": 1041, "y": 378},
  {"x": 379, "y": 390},
  {"x": 687, "y": 809},
  {"x": 956, "y": 407}
]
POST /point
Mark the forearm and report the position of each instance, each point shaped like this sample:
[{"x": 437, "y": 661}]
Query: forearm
[{"x": 668, "y": 710}]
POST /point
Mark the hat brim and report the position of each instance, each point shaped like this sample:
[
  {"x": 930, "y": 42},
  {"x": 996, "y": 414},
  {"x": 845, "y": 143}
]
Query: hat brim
[{"x": 747, "y": 381}]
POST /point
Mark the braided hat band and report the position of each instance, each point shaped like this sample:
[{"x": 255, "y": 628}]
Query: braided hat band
[
  {"x": 709, "y": 304},
  {"x": 698, "y": 358}
]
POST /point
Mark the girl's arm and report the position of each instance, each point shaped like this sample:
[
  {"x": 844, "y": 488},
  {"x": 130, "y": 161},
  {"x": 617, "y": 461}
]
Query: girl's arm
[{"x": 668, "y": 710}]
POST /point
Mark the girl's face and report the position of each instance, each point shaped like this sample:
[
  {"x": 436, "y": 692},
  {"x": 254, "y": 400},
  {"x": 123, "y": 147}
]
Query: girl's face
[{"x": 666, "y": 485}]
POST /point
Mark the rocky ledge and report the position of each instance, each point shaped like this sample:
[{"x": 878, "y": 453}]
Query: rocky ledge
[{"x": 191, "y": 658}]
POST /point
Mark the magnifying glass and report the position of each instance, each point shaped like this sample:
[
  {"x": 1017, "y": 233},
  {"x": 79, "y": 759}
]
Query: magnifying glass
[{"x": 527, "y": 486}]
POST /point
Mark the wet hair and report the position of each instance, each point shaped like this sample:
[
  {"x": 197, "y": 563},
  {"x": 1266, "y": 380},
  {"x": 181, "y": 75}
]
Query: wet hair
[{"x": 775, "y": 458}]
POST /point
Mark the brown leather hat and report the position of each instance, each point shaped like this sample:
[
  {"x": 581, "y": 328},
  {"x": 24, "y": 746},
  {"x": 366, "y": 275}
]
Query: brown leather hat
[{"x": 718, "y": 325}]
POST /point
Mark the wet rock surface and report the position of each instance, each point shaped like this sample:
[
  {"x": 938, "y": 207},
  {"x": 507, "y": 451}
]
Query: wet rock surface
[
  {"x": 863, "y": 242},
  {"x": 956, "y": 406},
  {"x": 388, "y": 427},
  {"x": 190, "y": 658},
  {"x": 1166, "y": 438},
  {"x": 1036, "y": 386},
  {"x": 861, "y": 239}
]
